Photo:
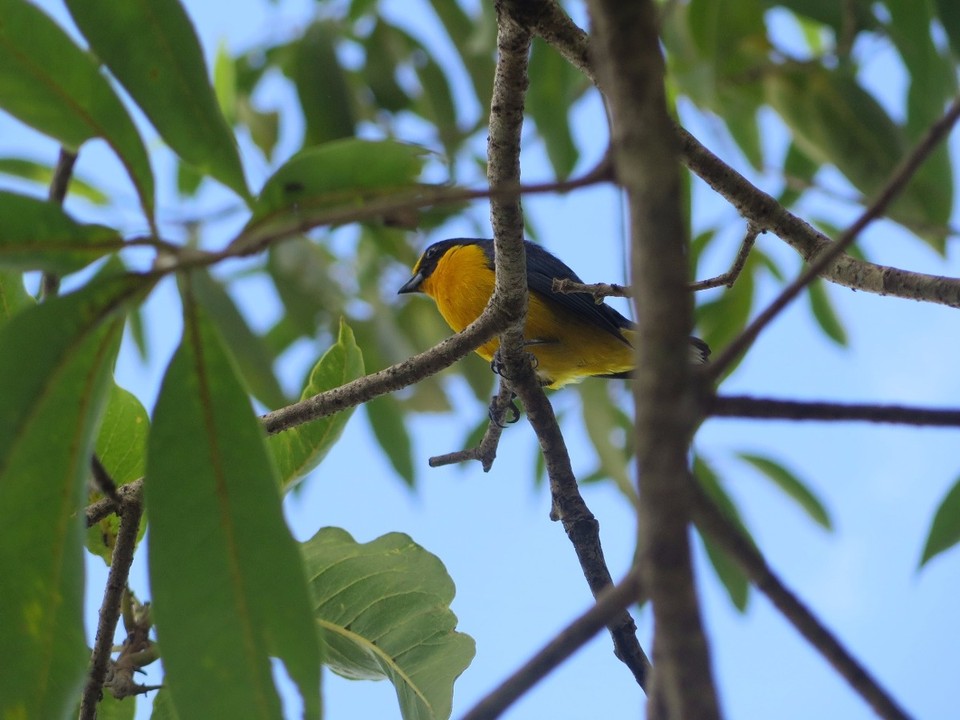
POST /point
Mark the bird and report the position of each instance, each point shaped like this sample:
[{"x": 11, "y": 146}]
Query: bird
[{"x": 570, "y": 335}]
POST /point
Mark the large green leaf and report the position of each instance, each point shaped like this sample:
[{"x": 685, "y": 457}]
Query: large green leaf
[
  {"x": 945, "y": 528},
  {"x": 227, "y": 580},
  {"x": 121, "y": 447},
  {"x": 39, "y": 235},
  {"x": 55, "y": 372},
  {"x": 384, "y": 608},
  {"x": 300, "y": 449},
  {"x": 153, "y": 50},
  {"x": 52, "y": 85}
]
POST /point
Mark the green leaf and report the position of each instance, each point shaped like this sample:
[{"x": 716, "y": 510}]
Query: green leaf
[
  {"x": 121, "y": 447},
  {"x": 603, "y": 421},
  {"x": 949, "y": 13},
  {"x": 39, "y": 235},
  {"x": 387, "y": 421},
  {"x": 825, "y": 313},
  {"x": 792, "y": 486},
  {"x": 322, "y": 86},
  {"x": 303, "y": 273},
  {"x": 254, "y": 360},
  {"x": 554, "y": 85},
  {"x": 55, "y": 372},
  {"x": 163, "y": 707},
  {"x": 386, "y": 49},
  {"x": 300, "y": 449},
  {"x": 945, "y": 528},
  {"x": 109, "y": 708},
  {"x": 13, "y": 296},
  {"x": 220, "y": 552},
  {"x": 733, "y": 579},
  {"x": 43, "y": 174},
  {"x": 153, "y": 50},
  {"x": 69, "y": 99},
  {"x": 798, "y": 172},
  {"x": 474, "y": 37},
  {"x": 384, "y": 608}
]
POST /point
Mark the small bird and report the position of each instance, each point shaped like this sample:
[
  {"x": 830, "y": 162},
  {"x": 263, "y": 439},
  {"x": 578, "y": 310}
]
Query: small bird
[{"x": 571, "y": 336}]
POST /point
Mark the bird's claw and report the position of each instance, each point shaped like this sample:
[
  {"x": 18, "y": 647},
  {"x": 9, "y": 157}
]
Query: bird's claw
[{"x": 502, "y": 415}]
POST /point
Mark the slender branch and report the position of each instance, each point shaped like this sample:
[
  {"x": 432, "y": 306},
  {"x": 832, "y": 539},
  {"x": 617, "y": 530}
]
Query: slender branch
[
  {"x": 486, "y": 451},
  {"x": 97, "y": 511},
  {"x": 714, "y": 523},
  {"x": 611, "y": 602},
  {"x": 126, "y": 542},
  {"x": 893, "y": 187},
  {"x": 771, "y": 408},
  {"x": 730, "y": 277},
  {"x": 50, "y": 282}
]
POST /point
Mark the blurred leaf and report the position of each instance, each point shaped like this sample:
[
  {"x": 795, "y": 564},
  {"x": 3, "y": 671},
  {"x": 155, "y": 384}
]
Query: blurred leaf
[
  {"x": 55, "y": 372},
  {"x": 384, "y": 608},
  {"x": 303, "y": 274},
  {"x": 109, "y": 708},
  {"x": 69, "y": 99},
  {"x": 388, "y": 424},
  {"x": 949, "y": 13},
  {"x": 225, "y": 83},
  {"x": 321, "y": 86},
  {"x": 945, "y": 528},
  {"x": 300, "y": 449},
  {"x": 600, "y": 420},
  {"x": 474, "y": 37},
  {"x": 43, "y": 174},
  {"x": 728, "y": 572},
  {"x": 792, "y": 486},
  {"x": 121, "y": 447},
  {"x": 137, "y": 332},
  {"x": 248, "y": 349},
  {"x": 13, "y": 296},
  {"x": 385, "y": 50},
  {"x": 264, "y": 127},
  {"x": 342, "y": 173},
  {"x": 554, "y": 85},
  {"x": 834, "y": 120},
  {"x": 189, "y": 179},
  {"x": 163, "y": 707},
  {"x": 825, "y": 313},
  {"x": 39, "y": 235},
  {"x": 220, "y": 552},
  {"x": 722, "y": 319},
  {"x": 739, "y": 111},
  {"x": 153, "y": 50},
  {"x": 437, "y": 103},
  {"x": 798, "y": 172},
  {"x": 850, "y": 16}
]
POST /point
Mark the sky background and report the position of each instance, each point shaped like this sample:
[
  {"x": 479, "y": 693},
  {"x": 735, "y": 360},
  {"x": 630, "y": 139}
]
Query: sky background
[{"x": 517, "y": 578}]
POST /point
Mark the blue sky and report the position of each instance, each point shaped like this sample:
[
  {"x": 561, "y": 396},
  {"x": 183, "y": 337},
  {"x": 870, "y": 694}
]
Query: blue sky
[{"x": 517, "y": 578}]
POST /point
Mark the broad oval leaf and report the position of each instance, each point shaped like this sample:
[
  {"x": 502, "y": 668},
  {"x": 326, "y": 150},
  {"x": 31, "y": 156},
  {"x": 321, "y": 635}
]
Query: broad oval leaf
[
  {"x": 121, "y": 447},
  {"x": 153, "y": 50},
  {"x": 945, "y": 528},
  {"x": 55, "y": 372},
  {"x": 228, "y": 583},
  {"x": 790, "y": 484},
  {"x": 300, "y": 449},
  {"x": 39, "y": 235},
  {"x": 69, "y": 99},
  {"x": 384, "y": 608}
]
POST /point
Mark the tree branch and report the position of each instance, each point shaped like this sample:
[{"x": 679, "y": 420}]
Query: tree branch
[
  {"x": 644, "y": 150},
  {"x": 611, "y": 602},
  {"x": 486, "y": 451},
  {"x": 126, "y": 542},
  {"x": 714, "y": 523},
  {"x": 770, "y": 408},
  {"x": 50, "y": 282}
]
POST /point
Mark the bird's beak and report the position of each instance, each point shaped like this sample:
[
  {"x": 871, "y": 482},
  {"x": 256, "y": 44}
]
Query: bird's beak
[{"x": 411, "y": 285}]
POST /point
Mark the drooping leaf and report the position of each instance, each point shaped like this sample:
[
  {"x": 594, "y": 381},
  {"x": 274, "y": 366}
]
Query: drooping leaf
[
  {"x": 387, "y": 421},
  {"x": 798, "y": 173},
  {"x": 303, "y": 274},
  {"x": 43, "y": 174},
  {"x": 221, "y": 556},
  {"x": 300, "y": 449},
  {"x": 825, "y": 313},
  {"x": 554, "y": 84},
  {"x": 254, "y": 360},
  {"x": 384, "y": 609},
  {"x": 729, "y": 573},
  {"x": 55, "y": 372},
  {"x": 69, "y": 99},
  {"x": 153, "y": 50},
  {"x": 39, "y": 235},
  {"x": 385, "y": 50},
  {"x": 121, "y": 447},
  {"x": 322, "y": 86},
  {"x": 945, "y": 528},
  {"x": 792, "y": 486}
]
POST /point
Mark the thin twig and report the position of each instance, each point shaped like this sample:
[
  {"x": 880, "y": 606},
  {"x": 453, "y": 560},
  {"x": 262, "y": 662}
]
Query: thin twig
[
  {"x": 730, "y": 277},
  {"x": 610, "y": 603},
  {"x": 770, "y": 408},
  {"x": 97, "y": 511},
  {"x": 486, "y": 451},
  {"x": 893, "y": 187},
  {"x": 714, "y": 523},
  {"x": 103, "y": 481},
  {"x": 50, "y": 282},
  {"x": 110, "y": 608}
]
